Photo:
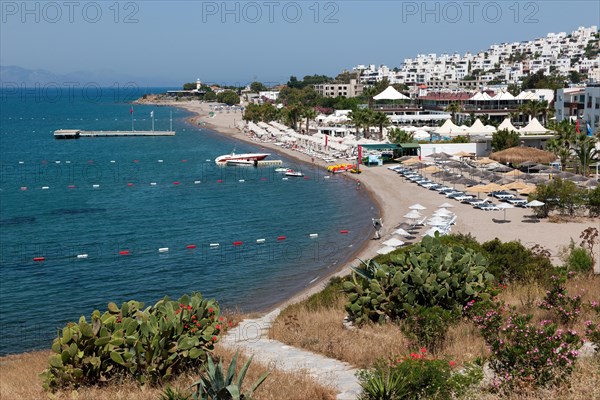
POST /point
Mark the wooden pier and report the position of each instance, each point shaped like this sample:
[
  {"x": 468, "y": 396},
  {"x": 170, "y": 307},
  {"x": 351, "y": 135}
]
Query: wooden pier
[{"x": 76, "y": 134}]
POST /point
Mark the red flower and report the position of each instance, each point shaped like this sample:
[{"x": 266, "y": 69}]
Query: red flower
[
  {"x": 218, "y": 327},
  {"x": 221, "y": 318},
  {"x": 210, "y": 310},
  {"x": 423, "y": 350},
  {"x": 189, "y": 308},
  {"x": 214, "y": 338},
  {"x": 185, "y": 326},
  {"x": 452, "y": 363},
  {"x": 181, "y": 305},
  {"x": 198, "y": 324}
]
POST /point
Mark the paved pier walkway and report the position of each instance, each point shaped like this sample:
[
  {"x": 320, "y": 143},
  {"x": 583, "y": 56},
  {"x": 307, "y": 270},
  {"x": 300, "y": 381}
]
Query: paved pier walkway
[{"x": 251, "y": 336}]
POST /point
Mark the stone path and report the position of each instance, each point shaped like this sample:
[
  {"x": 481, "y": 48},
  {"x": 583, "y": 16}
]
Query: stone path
[{"x": 251, "y": 336}]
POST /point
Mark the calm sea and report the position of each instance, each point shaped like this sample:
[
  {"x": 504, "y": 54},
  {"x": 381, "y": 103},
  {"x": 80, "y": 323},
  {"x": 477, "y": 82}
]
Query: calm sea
[{"x": 50, "y": 208}]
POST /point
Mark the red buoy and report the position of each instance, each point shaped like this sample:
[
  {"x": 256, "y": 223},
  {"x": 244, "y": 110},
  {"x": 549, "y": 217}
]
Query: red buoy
[
  {"x": 280, "y": 237},
  {"x": 124, "y": 253},
  {"x": 183, "y": 160},
  {"x": 130, "y": 184},
  {"x": 39, "y": 259},
  {"x": 343, "y": 231},
  {"x": 23, "y": 187},
  {"x": 135, "y": 161},
  {"x": 71, "y": 186},
  {"x": 263, "y": 179},
  {"x": 176, "y": 183},
  {"x": 219, "y": 180},
  {"x": 238, "y": 243},
  {"x": 306, "y": 178},
  {"x": 190, "y": 246}
]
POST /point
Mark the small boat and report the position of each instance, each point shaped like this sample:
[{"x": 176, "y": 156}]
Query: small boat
[
  {"x": 282, "y": 169},
  {"x": 291, "y": 172},
  {"x": 241, "y": 159}
]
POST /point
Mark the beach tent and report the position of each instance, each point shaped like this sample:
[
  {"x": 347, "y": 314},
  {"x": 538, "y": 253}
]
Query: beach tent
[
  {"x": 503, "y": 95},
  {"x": 481, "y": 96},
  {"x": 477, "y": 128},
  {"x": 533, "y": 127},
  {"x": 449, "y": 128},
  {"x": 506, "y": 124},
  {"x": 421, "y": 134},
  {"x": 390, "y": 94}
]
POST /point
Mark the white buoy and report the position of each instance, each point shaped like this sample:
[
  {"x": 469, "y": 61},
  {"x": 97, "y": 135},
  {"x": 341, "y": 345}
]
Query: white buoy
[
  {"x": 68, "y": 162},
  {"x": 152, "y": 183},
  {"x": 160, "y": 160},
  {"x": 45, "y": 188},
  {"x": 95, "y": 186},
  {"x": 58, "y": 162},
  {"x": 214, "y": 245},
  {"x": 21, "y": 162},
  {"x": 326, "y": 177},
  {"x": 242, "y": 180},
  {"x": 163, "y": 249},
  {"x": 196, "y": 182},
  {"x": 284, "y": 179},
  {"x": 313, "y": 235},
  {"x": 260, "y": 241},
  {"x": 207, "y": 160},
  {"x": 112, "y": 161},
  {"x": 82, "y": 256}
]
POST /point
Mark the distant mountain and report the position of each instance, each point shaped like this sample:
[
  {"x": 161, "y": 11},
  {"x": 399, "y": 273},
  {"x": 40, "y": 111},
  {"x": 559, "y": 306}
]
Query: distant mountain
[{"x": 10, "y": 74}]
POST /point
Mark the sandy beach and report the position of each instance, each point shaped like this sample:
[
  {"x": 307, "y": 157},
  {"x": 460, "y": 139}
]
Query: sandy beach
[{"x": 394, "y": 195}]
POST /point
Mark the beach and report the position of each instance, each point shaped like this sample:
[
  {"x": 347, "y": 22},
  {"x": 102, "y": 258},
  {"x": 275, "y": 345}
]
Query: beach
[{"x": 394, "y": 195}]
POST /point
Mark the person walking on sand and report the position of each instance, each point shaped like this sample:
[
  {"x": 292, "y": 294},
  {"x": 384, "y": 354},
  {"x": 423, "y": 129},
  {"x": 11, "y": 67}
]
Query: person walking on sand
[{"x": 357, "y": 184}]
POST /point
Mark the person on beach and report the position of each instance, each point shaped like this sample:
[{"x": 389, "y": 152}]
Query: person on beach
[
  {"x": 357, "y": 184},
  {"x": 377, "y": 224}
]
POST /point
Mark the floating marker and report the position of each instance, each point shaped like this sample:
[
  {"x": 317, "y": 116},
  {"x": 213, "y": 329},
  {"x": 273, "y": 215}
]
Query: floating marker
[
  {"x": 313, "y": 235},
  {"x": 196, "y": 182},
  {"x": 263, "y": 179},
  {"x": 152, "y": 183},
  {"x": 242, "y": 180},
  {"x": 45, "y": 188},
  {"x": 237, "y": 243},
  {"x": 136, "y": 161},
  {"x": 281, "y": 238},
  {"x": 58, "y": 162},
  {"x": 124, "y": 253},
  {"x": 38, "y": 259},
  {"x": 163, "y": 249},
  {"x": 23, "y": 187},
  {"x": 343, "y": 231},
  {"x": 160, "y": 160},
  {"x": 260, "y": 241},
  {"x": 68, "y": 162},
  {"x": 113, "y": 161},
  {"x": 284, "y": 179},
  {"x": 82, "y": 256},
  {"x": 21, "y": 162},
  {"x": 214, "y": 245},
  {"x": 190, "y": 246},
  {"x": 306, "y": 178},
  {"x": 326, "y": 177},
  {"x": 129, "y": 184},
  {"x": 71, "y": 186},
  {"x": 207, "y": 160},
  {"x": 95, "y": 186},
  {"x": 219, "y": 180},
  {"x": 176, "y": 183},
  {"x": 183, "y": 160}
]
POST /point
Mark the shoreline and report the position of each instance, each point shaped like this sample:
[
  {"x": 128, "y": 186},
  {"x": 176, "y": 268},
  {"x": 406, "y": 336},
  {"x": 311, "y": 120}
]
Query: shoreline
[{"x": 366, "y": 250}]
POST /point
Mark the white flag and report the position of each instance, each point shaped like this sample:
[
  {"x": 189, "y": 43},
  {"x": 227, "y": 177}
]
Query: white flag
[{"x": 151, "y": 114}]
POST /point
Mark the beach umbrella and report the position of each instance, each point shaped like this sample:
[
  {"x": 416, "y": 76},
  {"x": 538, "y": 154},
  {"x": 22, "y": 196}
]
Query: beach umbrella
[
  {"x": 535, "y": 203},
  {"x": 411, "y": 160},
  {"x": 515, "y": 186},
  {"x": 478, "y": 189},
  {"x": 521, "y": 154},
  {"x": 385, "y": 250},
  {"x": 432, "y": 168},
  {"x": 493, "y": 187},
  {"x": 437, "y": 221},
  {"x": 505, "y": 206},
  {"x": 528, "y": 190},
  {"x": 393, "y": 242},
  {"x": 417, "y": 207},
  {"x": 446, "y": 205},
  {"x": 432, "y": 231},
  {"x": 402, "y": 232},
  {"x": 464, "y": 154},
  {"x": 503, "y": 168},
  {"x": 514, "y": 173},
  {"x": 589, "y": 183},
  {"x": 443, "y": 212},
  {"x": 578, "y": 178},
  {"x": 414, "y": 214}
]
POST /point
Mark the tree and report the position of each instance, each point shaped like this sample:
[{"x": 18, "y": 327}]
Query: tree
[
  {"x": 357, "y": 118},
  {"x": 504, "y": 139},
  {"x": 381, "y": 119},
  {"x": 189, "y": 86},
  {"x": 561, "y": 144},
  {"x": 399, "y": 136},
  {"x": 309, "y": 113},
  {"x": 210, "y": 96},
  {"x": 228, "y": 97},
  {"x": 292, "y": 114},
  {"x": 454, "y": 108},
  {"x": 586, "y": 153},
  {"x": 256, "y": 87}
]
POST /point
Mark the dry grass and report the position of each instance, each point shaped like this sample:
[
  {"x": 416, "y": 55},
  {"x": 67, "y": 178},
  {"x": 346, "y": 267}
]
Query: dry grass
[{"x": 19, "y": 380}]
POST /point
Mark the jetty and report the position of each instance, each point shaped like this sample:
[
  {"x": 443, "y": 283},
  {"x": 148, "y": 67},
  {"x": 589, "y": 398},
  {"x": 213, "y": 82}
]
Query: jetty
[{"x": 76, "y": 133}]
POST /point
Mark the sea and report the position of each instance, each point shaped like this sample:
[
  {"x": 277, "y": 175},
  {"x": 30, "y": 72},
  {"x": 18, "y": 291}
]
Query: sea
[{"x": 109, "y": 219}]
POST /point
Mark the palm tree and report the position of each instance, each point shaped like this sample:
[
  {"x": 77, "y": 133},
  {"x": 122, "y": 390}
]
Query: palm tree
[
  {"x": 586, "y": 153},
  {"x": 381, "y": 119},
  {"x": 533, "y": 108},
  {"x": 399, "y": 136},
  {"x": 309, "y": 113},
  {"x": 357, "y": 118},
  {"x": 558, "y": 148},
  {"x": 293, "y": 115},
  {"x": 454, "y": 108},
  {"x": 369, "y": 93}
]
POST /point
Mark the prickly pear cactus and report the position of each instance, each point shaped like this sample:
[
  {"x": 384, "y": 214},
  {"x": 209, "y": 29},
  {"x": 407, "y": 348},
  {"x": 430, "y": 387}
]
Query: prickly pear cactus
[
  {"x": 429, "y": 274},
  {"x": 148, "y": 344}
]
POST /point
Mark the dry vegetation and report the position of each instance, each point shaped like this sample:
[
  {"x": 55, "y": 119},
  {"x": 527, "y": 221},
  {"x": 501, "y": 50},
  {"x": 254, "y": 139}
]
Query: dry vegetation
[
  {"x": 19, "y": 380},
  {"x": 316, "y": 325}
]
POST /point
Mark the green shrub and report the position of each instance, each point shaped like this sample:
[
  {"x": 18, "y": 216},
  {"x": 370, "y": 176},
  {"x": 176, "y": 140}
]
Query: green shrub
[
  {"x": 428, "y": 326},
  {"x": 513, "y": 262},
  {"x": 579, "y": 260},
  {"x": 416, "y": 377},
  {"x": 149, "y": 345},
  {"x": 214, "y": 384},
  {"x": 566, "y": 308},
  {"x": 429, "y": 274}
]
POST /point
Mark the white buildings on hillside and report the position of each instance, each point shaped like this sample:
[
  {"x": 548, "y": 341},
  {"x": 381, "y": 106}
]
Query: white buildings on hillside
[
  {"x": 510, "y": 62},
  {"x": 582, "y": 102}
]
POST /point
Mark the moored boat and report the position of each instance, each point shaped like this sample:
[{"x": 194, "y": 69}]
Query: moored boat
[
  {"x": 291, "y": 172},
  {"x": 246, "y": 158}
]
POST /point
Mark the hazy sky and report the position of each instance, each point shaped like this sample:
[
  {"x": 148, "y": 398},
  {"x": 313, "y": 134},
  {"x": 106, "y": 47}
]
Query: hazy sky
[{"x": 218, "y": 41}]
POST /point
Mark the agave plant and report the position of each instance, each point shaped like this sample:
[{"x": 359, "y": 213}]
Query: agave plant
[{"x": 214, "y": 385}]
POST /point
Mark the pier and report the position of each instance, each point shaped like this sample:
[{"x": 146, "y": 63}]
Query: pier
[{"x": 76, "y": 134}]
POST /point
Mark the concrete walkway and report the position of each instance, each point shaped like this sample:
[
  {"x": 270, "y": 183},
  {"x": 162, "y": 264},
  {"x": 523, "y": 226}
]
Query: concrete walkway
[{"x": 251, "y": 336}]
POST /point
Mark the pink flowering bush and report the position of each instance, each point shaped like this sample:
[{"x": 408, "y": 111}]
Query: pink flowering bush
[{"x": 557, "y": 300}]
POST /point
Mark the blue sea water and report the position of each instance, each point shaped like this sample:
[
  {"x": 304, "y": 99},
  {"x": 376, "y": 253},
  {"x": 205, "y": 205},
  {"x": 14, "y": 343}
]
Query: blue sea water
[{"x": 125, "y": 213}]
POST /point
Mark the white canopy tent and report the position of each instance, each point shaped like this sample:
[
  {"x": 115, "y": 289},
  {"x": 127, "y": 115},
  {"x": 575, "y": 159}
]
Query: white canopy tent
[
  {"x": 390, "y": 94},
  {"x": 449, "y": 128},
  {"x": 481, "y": 96},
  {"x": 478, "y": 128},
  {"x": 533, "y": 127},
  {"x": 506, "y": 124},
  {"x": 503, "y": 95}
]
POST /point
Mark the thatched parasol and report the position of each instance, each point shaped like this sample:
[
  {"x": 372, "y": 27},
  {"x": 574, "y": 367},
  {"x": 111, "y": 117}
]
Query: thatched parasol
[
  {"x": 405, "y": 158},
  {"x": 464, "y": 154},
  {"x": 528, "y": 190},
  {"x": 514, "y": 172},
  {"x": 502, "y": 168},
  {"x": 515, "y": 186},
  {"x": 521, "y": 154},
  {"x": 440, "y": 156}
]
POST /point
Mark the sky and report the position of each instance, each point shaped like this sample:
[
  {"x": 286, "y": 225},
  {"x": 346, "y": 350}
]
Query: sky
[{"x": 237, "y": 42}]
